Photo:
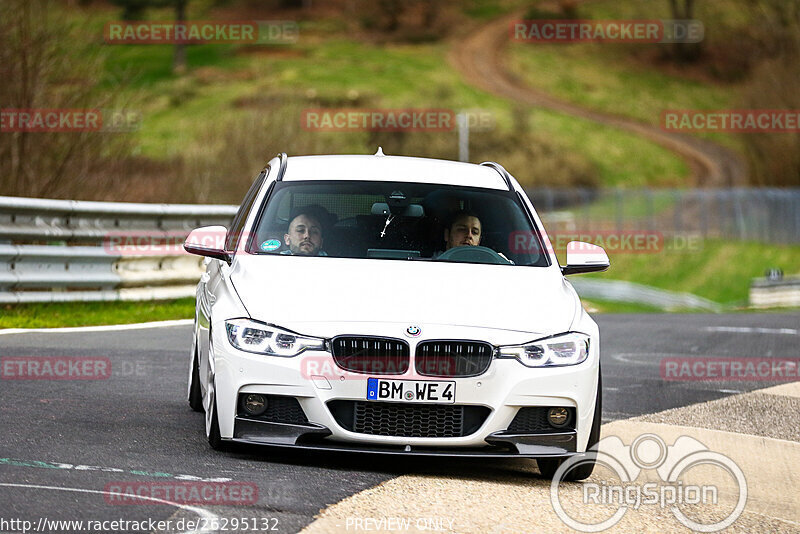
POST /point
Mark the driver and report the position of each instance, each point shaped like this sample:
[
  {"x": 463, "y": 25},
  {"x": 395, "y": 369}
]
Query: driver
[
  {"x": 304, "y": 236},
  {"x": 463, "y": 229}
]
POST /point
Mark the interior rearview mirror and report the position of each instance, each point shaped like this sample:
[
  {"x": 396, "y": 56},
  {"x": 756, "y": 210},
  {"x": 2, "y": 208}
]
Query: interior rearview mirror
[{"x": 411, "y": 210}]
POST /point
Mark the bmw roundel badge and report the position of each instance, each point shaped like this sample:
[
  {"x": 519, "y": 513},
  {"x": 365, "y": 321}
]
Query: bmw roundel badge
[{"x": 413, "y": 331}]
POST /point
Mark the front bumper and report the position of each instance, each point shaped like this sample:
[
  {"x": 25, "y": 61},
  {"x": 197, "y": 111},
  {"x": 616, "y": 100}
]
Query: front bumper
[
  {"x": 312, "y": 436},
  {"x": 314, "y": 380}
]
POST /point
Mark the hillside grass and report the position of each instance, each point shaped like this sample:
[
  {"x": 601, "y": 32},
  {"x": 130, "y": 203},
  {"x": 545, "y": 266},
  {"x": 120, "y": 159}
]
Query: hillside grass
[
  {"x": 328, "y": 65},
  {"x": 611, "y": 78}
]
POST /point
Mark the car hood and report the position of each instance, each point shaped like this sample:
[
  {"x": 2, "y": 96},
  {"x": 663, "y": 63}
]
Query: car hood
[{"x": 315, "y": 296}]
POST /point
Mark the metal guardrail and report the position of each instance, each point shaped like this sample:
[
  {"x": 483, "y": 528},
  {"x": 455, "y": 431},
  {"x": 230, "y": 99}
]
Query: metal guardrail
[
  {"x": 36, "y": 220},
  {"x": 621, "y": 291},
  {"x": 767, "y": 215},
  {"x": 782, "y": 292},
  {"x": 53, "y": 250},
  {"x": 57, "y": 250}
]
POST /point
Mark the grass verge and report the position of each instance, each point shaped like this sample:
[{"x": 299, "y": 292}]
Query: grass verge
[
  {"x": 608, "y": 306},
  {"x": 720, "y": 271},
  {"x": 66, "y": 314}
]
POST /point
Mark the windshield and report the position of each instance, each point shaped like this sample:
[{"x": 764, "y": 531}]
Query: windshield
[{"x": 397, "y": 221}]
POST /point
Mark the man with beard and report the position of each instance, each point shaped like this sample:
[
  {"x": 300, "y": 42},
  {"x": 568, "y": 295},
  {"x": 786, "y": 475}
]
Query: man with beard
[{"x": 304, "y": 236}]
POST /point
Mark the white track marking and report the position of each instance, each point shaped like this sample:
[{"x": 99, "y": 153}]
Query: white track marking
[
  {"x": 104, "y": 328},
  {"x": 94, "y": 468},
  {"x": 636, "y": 358},
  {"x": 753, "y": 330},
  {"x": 210, "y": 517}
]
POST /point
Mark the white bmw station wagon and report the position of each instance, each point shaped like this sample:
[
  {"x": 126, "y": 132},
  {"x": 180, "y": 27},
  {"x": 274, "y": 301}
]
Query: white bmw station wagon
[{"x": 394, "y": 305}]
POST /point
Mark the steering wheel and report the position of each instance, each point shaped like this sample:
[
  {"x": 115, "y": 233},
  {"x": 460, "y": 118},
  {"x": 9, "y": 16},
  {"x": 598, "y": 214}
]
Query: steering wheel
[{"x": 473, "y": 254}]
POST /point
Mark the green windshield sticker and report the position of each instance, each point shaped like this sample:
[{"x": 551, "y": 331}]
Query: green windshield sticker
[{"x": 272, "y": 244}]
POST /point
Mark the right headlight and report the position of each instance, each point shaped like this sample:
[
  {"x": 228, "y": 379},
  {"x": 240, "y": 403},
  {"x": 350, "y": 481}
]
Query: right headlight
[
  {"x": 564, "y": 349},
  {"x": 261, "y": 338}
]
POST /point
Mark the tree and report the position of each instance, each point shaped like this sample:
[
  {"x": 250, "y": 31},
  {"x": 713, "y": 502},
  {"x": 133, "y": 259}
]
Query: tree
[
  {"x": 684, "y": 10},
  {"x": 774, "y": 157},
  {"x": 135, "y": 9},
  {"x": 179, "y": 60},
  {"x": 42, "y": 70}
]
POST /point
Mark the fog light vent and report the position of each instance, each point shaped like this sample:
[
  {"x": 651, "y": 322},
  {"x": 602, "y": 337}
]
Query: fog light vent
[
  {"x": 255, "y": 404},
  {"x": 558, "y": 417}
]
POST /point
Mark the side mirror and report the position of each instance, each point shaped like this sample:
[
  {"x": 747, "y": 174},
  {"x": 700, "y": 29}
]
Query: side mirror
[
  {"x": 208, "y": 241},
  {"x": 585, "y": 258}
]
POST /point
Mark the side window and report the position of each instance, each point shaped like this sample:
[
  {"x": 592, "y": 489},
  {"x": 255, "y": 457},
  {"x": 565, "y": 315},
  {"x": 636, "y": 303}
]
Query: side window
[{"x": 237, "y": 226}]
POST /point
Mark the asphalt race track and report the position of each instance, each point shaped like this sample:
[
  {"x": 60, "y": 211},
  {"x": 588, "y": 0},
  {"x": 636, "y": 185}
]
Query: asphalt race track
[{"x": 67, "y": 443}]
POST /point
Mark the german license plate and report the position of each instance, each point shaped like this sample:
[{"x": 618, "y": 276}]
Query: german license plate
[{"x": 426, "y": 391}]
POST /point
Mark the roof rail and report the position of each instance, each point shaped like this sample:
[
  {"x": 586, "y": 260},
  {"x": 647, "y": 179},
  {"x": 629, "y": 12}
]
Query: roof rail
[
  {"x": 504, "y": 173},
  {"x": 283, "y": 157}
]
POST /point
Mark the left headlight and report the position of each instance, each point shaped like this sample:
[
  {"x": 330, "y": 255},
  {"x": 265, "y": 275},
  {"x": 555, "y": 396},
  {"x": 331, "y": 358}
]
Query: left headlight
[
  {"x": 564, "y": 349},
  {"x": 260, "y": 338}
]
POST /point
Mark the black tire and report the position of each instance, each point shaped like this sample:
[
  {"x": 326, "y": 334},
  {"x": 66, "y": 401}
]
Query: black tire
[
  {"x": 195, "y": 395},
  {"x": 214, "y": 437},
  {"x": 582, "y": 471}
]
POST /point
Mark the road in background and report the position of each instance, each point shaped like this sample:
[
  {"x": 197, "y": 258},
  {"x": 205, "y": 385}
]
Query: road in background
[{"x": 480, "y": 56}]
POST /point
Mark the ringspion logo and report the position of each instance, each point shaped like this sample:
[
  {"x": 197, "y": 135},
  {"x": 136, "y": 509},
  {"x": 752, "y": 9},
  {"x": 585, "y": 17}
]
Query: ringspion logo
[{"x": 688, "y": 473}]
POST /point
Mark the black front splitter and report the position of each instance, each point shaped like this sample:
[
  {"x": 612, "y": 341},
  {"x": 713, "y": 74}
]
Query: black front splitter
[{"x": 311, "y": 437}]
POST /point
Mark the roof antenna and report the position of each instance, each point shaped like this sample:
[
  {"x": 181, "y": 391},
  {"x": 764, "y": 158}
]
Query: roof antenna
[{"x": 380, "y": 152}]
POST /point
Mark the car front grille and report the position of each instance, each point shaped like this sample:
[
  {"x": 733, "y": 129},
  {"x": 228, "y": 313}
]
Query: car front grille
[
  {"x": 408, "y": 420},
  {"x": 453, "y": 359},
  {"x": 371, "y": 355},
  {"x": 531, "y": 420}
]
